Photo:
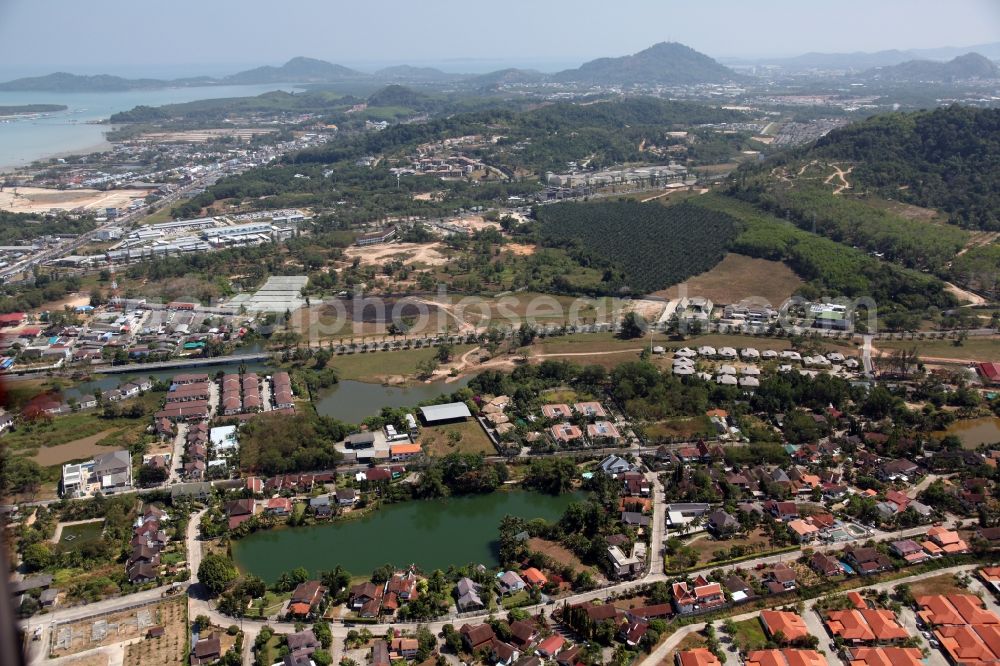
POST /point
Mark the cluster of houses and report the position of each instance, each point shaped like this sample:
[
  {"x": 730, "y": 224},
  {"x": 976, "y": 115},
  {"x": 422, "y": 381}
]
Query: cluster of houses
[
  {"x": 370, "y": 600},
  {"x": 148, "y": 540},
  {"x": 966, "y": 630},
  {"x": 188, "y": 399},
  {"x": 52, "y": 405},
  {"x": 527, "y": 645},
  {"x": 591, "y": 414},
  {"x": 747, "y": 374}
]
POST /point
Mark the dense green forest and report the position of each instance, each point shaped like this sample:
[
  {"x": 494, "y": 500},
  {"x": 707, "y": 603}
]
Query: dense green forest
[
  {"x": 20, "y": 227},
  {"x": 913, "y": 243},
  {"x": 543, "y": 138},
  {"x": 644, "y": 247},
  {"x": 948, "y": 158},
  {"x": 831, "y": 269},
  {"x": 31, "y": 108}
]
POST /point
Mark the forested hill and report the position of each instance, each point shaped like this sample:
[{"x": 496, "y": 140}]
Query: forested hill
[
  {"x": 947, "y": 159},
  {"x": 968, "y": 66},
  {"x": 610, "y": 131},
  {"x": 666, "y": 63}
]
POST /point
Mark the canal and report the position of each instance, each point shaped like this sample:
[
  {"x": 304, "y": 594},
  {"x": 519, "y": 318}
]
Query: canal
[{"x": 433, "y": 534}]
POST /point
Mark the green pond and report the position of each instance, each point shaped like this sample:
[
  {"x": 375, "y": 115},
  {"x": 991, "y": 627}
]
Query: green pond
[
  {"x": 76, "y": 536},
  {"x": 975, "y": 432},
  {"x": 432, "y": 534}
]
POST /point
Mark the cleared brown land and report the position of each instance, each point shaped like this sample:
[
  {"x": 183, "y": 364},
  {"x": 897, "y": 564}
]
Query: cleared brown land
[
  {"x": 943, "y": 584},
  {"x": 167, "y": 649},
  {"x": 689, "y": 642},
  {"x": 706, "y": 546},
  {"x": 557, "y": 552},
  {"x": 737, "y": 277},
  {"x": 123, "y": 626},
  {"x": 79, "y": 449}
]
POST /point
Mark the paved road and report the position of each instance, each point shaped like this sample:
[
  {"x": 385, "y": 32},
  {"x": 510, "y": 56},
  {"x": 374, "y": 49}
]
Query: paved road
[
  {"x": 175, "y": 461},
  {"x": 199, "y": 604},
  {"x": 658, "y": 655}
]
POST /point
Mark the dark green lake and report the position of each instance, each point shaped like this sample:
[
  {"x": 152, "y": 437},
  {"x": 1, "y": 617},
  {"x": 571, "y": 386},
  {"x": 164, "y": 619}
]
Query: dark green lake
[{"x": 432, "y": 534}]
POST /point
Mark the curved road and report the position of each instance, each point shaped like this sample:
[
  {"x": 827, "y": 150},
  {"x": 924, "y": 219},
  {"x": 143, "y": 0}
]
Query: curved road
[{"x": 200, "y": 604}]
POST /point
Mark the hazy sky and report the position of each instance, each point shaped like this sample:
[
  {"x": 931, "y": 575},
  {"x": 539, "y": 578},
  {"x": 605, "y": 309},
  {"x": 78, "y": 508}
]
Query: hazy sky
[{"x": 207, "y": 35}]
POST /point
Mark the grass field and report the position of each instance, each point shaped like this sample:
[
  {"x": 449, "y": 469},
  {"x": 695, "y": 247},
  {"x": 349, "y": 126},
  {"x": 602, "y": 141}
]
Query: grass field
[
  {"x": 378, "y": 366},
  {"x": 973, "y": 349},
  {"x": 686, "y": 427},
  {"x": 737, "y": 277},
  {"x": 468, "y": 438},
  {"x": 66, "y": 429},
  {"x": 750, "y": 633},
  {"x": 594, "y": 343}
]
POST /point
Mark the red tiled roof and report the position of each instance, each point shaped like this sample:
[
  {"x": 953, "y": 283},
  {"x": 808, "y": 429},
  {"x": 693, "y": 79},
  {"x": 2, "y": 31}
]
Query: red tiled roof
[{"x": 791, "y": 625}]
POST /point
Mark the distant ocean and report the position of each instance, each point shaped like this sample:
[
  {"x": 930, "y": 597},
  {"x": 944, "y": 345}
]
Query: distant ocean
[{"x": 25, "y": 140}]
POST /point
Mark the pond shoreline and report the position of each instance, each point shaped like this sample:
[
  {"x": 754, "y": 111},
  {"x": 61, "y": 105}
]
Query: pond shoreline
[{"x": 431, "y": 533}]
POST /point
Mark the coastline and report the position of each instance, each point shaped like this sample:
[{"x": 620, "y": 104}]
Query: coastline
[{"x": 99, "y": 147}]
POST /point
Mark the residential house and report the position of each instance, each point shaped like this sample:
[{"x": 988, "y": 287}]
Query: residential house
[
  {"x": 303, "y": 642},
  {"x": 206, "y": 651},
  {"x": 722, "y": 525},
  {"x": 824, "y": 565},
  {"x": 900, "y": 469},
  {"x": 321, "y": 506},
  {"x": 614, "y": 465},
  {"x": 476, "y": 636},
  {"x": 523, "y": 633},
  {"x": 346, "y": 496},
  {"x": 279, "y": 506},
  {"x": 865, "y": 626},
  {"x": 789, "y": 625},
  {"x": 511, "y": 583},
  {"x": 380, "y": 653},
  {"x": 696, "y": 657},
  {"x": 363, "y": 594},
  {"x": 867, "y": 561},
  {"x": 909, "y": 550},
  {"x": 306, "y": 598},
  {"x": 404, "y": 648},
  {"x": 468, "y": 596},
  {"x": 700, "y": 595},
  {"x": 550, "y": 647},
  {"x": 781, "y": 578}
]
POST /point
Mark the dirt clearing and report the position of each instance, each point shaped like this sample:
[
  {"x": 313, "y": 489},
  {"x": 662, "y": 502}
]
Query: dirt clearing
[
  {"x": 409, "y": 253},
  {"x": 78, "y": 449},
  {"x": 41, "y": 199},
  {"x": 737, "y": 277}
]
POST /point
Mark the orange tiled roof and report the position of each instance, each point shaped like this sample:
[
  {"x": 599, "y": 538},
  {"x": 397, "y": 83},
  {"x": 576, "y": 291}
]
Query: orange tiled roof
[
  {"x": 785, "y": 658},
  {"x": 889, "y": 656},
  {"x": 791, "y": 625},
  {"x": 697, "y": 657}
]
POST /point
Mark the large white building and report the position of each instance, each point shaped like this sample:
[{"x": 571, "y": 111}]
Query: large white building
[{"x": 108, "y": 473}]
